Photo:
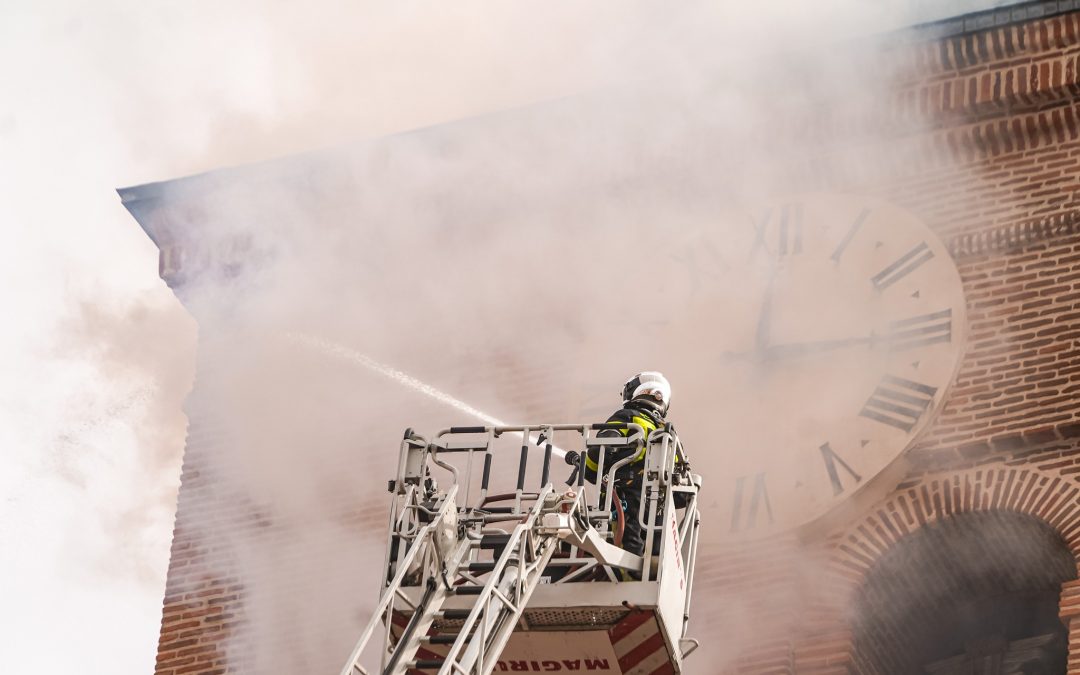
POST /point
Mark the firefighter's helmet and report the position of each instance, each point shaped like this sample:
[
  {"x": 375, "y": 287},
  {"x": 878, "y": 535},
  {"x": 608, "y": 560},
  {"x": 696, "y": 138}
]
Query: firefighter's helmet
[{"x": 649, "y": 383}]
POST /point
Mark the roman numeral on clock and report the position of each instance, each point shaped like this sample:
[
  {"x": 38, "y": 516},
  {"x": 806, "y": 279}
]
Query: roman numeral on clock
[
  {"x": 898, "y": 402},
  {"x": 902, "y": 267},
  {"x": 758, "y": 498},
  {"x": 789, "y": 231},
  {"x": 920, "y": 331},
  {"x": 831, "y": 460}
]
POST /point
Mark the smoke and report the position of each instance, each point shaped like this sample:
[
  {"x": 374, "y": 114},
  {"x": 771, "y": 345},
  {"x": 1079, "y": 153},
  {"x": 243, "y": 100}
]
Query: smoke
[
  {"x": 128, "y": 385},
  {"x": 520, "y": 263}
]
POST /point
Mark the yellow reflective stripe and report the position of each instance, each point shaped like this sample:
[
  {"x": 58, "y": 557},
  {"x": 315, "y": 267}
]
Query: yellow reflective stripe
[{"x": 647, "y": 426}]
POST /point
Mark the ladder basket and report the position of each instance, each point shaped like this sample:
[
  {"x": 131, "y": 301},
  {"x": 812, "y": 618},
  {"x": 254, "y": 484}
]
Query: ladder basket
[{"x": 491, "y": 567}]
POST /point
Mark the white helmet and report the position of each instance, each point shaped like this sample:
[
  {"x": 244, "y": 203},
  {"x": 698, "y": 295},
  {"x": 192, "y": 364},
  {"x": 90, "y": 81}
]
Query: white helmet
[{"x": 651, "y": 383}]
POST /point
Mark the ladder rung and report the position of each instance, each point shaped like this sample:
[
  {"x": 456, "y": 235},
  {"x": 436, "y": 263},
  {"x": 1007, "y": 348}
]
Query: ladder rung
[
  {"x": 441, "y": 639},
  {"x": 494, "y": 540},
  {"x": 428, "y": 664},
  {"x": 481, "y": 566},
  {"x": 455, "y": 613},
  {"x": 468, "y": 590}
]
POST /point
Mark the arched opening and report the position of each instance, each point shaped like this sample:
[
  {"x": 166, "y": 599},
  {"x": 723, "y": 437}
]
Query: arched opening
[{"x": 973, "y": 594}]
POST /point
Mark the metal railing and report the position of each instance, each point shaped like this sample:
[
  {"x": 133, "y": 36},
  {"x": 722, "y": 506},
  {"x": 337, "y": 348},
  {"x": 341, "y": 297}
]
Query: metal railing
[{"x": 476, "y": 460}]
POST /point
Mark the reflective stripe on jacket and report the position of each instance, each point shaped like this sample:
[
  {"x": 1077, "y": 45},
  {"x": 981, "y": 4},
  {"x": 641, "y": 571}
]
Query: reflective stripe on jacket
[
  {"x": 647, "y": 425},
  {"x": 633, "y": 413}
]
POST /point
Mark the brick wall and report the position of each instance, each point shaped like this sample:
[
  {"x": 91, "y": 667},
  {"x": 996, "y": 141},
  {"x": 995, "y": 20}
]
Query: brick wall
[
  {"x": 1020, "y": 378},
  {"x": 202, "y": 611}
]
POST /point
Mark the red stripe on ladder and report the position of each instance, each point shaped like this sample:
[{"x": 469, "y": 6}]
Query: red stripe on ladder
[
  {"x": 642, "y": 651},
  {"x": 666, "y": 669},
  {"x": 628, "y": 625}
]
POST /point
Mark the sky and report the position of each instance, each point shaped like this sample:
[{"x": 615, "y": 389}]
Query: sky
[{"x": 97, "y": 354}]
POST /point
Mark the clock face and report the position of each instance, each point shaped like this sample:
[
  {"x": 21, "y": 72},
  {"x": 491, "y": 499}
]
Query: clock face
[{"x": 809, "y": 344}]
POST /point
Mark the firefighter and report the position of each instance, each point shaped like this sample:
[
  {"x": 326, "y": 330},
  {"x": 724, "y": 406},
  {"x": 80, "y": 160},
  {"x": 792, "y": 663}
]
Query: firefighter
[{"x": 646, "y": 397}]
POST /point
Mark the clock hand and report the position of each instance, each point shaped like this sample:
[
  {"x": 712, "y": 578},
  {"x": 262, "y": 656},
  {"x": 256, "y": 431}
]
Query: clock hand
[{"x": 794, "y": 349}]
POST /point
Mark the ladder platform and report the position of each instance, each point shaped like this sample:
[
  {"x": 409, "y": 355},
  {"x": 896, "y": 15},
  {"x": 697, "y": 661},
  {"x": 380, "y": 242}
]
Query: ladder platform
[
  {"x": 568, "y": 638},
  {"x": 569, "y": 605},
  {"x": 484, "y": 575}
]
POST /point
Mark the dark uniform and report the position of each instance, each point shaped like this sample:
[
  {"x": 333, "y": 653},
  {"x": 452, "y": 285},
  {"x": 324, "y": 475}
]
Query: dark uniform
[{"x": 648, "y": 413}]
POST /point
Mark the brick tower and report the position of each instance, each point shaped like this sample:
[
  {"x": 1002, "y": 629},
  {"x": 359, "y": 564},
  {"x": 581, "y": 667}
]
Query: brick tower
[{"x": 963, "y": 560}]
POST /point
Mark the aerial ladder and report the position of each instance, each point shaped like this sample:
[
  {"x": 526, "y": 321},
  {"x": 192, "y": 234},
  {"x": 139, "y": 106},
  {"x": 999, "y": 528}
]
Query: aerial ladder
[{"x": 478, "y": 581}]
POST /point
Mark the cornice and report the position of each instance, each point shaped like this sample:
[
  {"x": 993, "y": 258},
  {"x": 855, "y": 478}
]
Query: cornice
[
  {"x": 988, "y": 76},
  {"x": 1010, "y": 35},
  {"x": 997, "y": 17}
]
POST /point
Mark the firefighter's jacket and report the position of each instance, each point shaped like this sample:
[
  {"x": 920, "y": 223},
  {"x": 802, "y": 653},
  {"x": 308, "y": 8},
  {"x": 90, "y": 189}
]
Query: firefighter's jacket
[{"x": 638, "y": 411}]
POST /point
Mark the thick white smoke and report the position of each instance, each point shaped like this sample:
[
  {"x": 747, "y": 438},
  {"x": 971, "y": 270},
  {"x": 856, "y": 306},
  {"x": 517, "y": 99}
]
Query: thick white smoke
[
  {"x": 112, "y": 95},
  {"x": 521, "y": 263}
]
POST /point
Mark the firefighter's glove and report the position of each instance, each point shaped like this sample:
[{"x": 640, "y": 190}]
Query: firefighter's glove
[{"x": 573, "y": 459}]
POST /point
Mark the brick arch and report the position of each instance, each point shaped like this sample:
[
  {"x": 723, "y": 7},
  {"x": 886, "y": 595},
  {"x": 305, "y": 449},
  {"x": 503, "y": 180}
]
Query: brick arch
[{"x": 1042, "y": 493}]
